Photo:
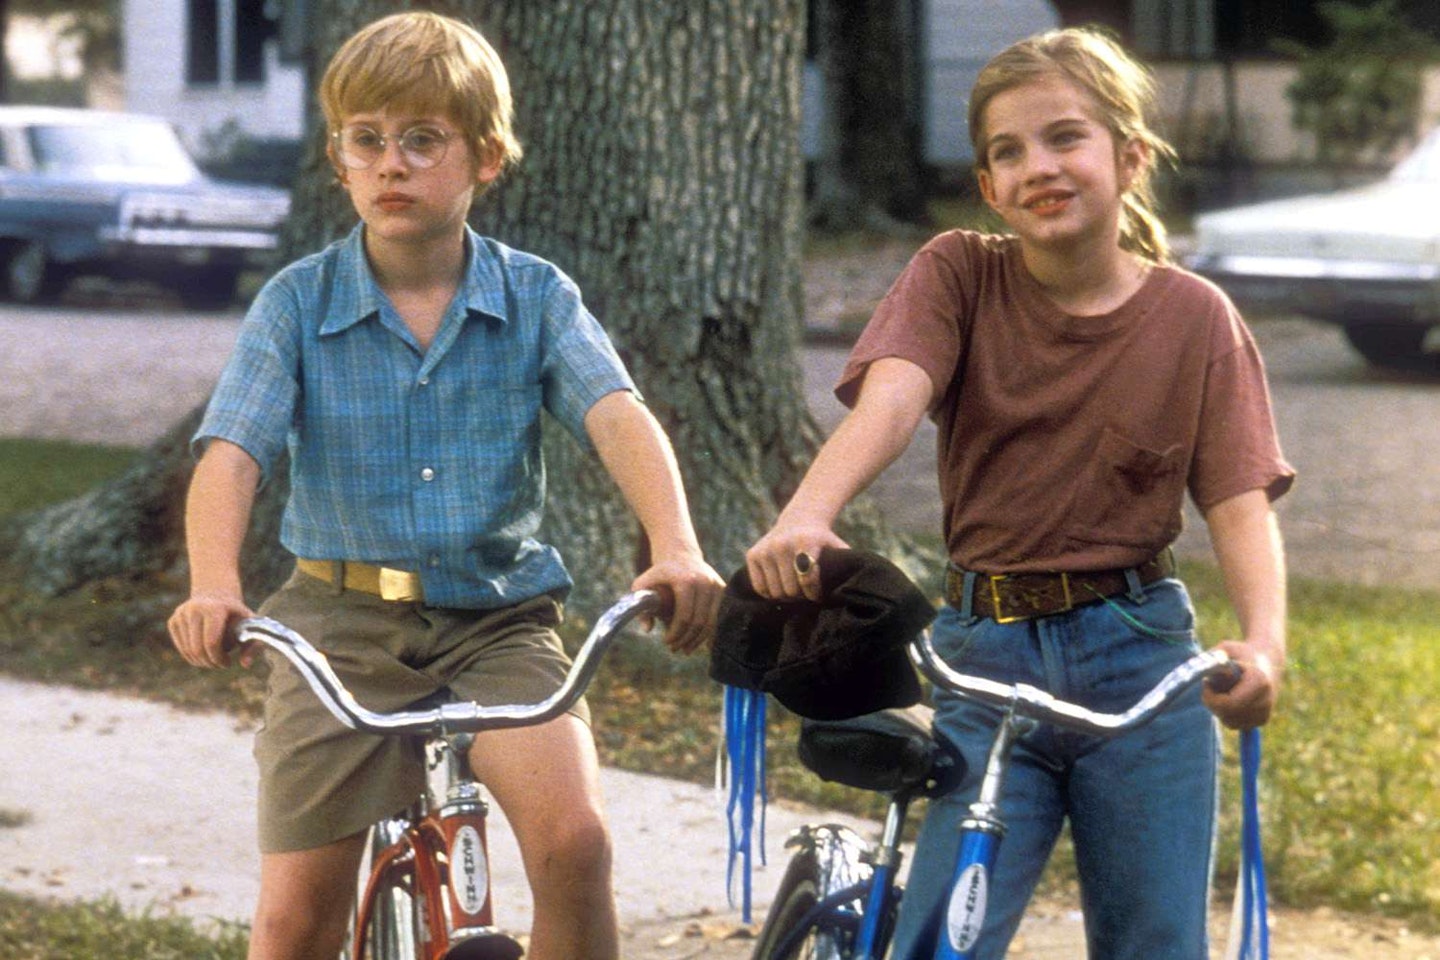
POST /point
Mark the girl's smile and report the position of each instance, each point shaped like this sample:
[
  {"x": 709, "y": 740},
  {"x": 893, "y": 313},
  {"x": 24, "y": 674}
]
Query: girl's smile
[{"x": 1048, "y": 203}]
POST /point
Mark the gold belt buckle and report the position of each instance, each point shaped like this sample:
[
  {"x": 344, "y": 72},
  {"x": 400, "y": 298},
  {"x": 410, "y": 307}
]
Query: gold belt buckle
[
  {"x": 995, "y": 603},
  {"x": 399, "y": 585},
  {"x": 997, "y": 606},
  {"x": 1065, "y": 589}
]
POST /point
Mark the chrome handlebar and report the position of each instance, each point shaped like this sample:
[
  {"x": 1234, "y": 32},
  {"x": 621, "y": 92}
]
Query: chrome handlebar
[
  {"x": 459, "y": 717},
  {"x": 1032, "y": 702}
]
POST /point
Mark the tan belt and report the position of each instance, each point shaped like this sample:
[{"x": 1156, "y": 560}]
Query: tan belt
[
  {"x": 383, "y": 582},
  {"x": 1023, "y": 596}
]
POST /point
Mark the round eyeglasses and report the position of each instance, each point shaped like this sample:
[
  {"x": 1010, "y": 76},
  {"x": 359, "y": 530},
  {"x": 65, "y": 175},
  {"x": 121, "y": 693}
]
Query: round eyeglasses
[{"x": 358, "y": 147}]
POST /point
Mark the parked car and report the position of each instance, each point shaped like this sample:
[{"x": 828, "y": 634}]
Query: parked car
[
  {"x": 1366, "y": 258},
  {"x": 87, "y": 191}
]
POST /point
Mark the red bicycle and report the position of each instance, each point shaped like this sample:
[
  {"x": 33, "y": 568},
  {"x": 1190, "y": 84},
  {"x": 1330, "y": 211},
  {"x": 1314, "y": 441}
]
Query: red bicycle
[{"x": 425, "y": 891}]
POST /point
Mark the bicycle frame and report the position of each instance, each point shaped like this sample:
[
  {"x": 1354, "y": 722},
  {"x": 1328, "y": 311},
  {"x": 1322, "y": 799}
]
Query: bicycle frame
[
  {"x": 1024, "y": 707},
  {"x": 443, "y": 850},
  {"x": 436, "y": 855}
]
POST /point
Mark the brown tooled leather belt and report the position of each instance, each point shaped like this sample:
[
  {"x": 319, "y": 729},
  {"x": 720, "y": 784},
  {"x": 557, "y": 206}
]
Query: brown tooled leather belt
[{"x": 1006, "y": 598}]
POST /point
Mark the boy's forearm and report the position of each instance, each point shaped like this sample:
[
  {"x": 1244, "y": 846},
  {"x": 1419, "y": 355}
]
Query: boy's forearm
[
  {"x": 638, "y": 456},
  {"x": 217, "y": 516}
]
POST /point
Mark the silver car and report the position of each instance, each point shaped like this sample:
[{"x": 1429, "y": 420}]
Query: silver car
[{"x": 1366, "y": 258}]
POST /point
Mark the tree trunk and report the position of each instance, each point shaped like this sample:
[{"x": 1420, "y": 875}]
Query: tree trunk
[
  {"x": 869, "y": 170},
  {"x": 662, "y": 173}
]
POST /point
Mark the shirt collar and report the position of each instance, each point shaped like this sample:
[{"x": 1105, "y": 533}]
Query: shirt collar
[{"x": 357, "y": 295}]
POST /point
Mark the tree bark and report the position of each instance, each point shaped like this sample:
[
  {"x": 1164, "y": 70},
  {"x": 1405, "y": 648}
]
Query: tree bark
[
  {"x": 869, "y": 172},
  {"x": 662, "y": 172}
]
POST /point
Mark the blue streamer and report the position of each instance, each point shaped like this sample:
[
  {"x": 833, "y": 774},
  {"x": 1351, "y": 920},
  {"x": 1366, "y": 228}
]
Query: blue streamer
[
  {"x": 745, "y": 756},
  {"x": 1255, "y": 937}
]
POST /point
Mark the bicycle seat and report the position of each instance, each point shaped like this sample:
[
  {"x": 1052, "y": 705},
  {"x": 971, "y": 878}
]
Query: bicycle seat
[{"x": 889, "y": 751}]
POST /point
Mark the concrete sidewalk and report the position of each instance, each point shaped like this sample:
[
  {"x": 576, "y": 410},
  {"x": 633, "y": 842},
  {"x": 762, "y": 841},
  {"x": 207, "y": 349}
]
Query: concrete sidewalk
[{"x": 155, "y": 807}]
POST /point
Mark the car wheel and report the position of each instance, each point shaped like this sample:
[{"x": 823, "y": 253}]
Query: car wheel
[
  {"x": 1397, "y": 346},
  {"x": 209, "y": 288},
  {"x": 30, "y": 275}
]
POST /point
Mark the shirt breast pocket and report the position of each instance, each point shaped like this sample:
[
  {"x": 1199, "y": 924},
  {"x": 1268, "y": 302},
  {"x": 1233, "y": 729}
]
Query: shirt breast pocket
[
  {"x": 1129, "y": 495},
  {"x": 497, "y": 413}
]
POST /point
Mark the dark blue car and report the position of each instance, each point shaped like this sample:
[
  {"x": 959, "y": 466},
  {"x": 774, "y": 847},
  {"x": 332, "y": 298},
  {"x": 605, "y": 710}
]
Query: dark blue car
[{"x": 116, "y": 194}]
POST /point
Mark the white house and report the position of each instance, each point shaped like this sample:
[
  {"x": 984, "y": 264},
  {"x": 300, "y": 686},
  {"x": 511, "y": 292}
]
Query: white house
[
  {"x": 213, "y": 68},
  {"x": 957, "y": 38}
]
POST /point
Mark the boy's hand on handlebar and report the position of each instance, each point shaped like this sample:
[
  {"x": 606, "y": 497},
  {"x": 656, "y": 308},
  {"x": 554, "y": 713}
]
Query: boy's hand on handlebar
[
  {"x": 691, "y": 590},
  {"x": 785, "y": 563},
  {"x": 1251, "y": 701},
  {"x": 202, "y": 629}
]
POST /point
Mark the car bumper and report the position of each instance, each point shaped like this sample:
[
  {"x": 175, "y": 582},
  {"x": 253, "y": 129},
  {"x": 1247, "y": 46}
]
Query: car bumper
[
  {"x": 187, "y": 247},
  {"x": 1342, "y": 291}
]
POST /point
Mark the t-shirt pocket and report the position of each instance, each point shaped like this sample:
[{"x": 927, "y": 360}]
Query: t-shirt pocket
[{"x": 1128, "y": 495}]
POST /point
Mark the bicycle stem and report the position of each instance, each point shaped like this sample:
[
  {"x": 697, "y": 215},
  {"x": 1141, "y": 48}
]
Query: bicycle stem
[{"x": 983, "y": 815}]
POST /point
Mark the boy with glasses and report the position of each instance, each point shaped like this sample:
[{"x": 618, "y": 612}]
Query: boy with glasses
[{"x": 406, "y": 367}]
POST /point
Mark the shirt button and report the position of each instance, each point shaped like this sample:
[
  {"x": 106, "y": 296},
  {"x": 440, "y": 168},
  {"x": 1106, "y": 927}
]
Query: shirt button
[
  {"x": 427, "y": 474},
  {"x": 424, "y": 381},
  {"x": 433, "y": 561}
]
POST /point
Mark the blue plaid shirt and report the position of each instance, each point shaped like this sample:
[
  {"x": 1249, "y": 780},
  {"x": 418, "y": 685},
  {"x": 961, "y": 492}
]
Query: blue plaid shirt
[{"x": 430, "y": 461}]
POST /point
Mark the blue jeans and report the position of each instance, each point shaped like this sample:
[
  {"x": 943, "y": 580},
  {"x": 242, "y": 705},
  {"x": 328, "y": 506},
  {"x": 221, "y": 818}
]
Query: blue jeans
[{"x": 1141, "y": 807}]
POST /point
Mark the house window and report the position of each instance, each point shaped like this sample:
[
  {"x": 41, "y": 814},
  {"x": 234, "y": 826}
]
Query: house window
[
  {"x": 226, "y": 42},
  {"x": 203, "y": 38}
]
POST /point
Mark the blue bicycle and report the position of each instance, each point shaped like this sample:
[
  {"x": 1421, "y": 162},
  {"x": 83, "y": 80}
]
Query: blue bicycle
[{"x": 840, "y": 895}]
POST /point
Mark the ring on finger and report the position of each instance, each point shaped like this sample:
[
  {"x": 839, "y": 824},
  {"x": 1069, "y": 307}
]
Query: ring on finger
[{"x": 804, "y": 563}]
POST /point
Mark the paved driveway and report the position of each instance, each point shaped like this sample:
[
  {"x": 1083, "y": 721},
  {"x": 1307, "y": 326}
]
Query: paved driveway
[{"x": 1366, "y": 443}]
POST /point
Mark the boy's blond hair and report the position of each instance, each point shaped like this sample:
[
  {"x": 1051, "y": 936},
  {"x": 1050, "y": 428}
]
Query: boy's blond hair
[
  {"x": 1124, "y": 93},
  {"x": 425, "y": 63}
]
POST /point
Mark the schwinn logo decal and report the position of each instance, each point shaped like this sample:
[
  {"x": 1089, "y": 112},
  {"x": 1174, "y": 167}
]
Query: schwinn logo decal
[
  {"x": 469, "y": 878},
  {"x": 966, "y": 913}
]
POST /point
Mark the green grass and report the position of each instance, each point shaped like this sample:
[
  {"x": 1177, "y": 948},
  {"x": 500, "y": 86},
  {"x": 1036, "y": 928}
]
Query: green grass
[
  {"x": 34, "y": 473},
  {"x": 1351, "y": 783},
  {"x": 1353, "y": 793},
  {"x": 37, "y": 930}
]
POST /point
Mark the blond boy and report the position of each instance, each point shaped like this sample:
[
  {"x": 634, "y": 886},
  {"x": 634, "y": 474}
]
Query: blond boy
[{"x": 405, "y": 368}]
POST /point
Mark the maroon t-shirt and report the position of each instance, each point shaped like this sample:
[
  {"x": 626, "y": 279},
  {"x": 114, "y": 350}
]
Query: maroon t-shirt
[{"x": 1067, "y": 443}]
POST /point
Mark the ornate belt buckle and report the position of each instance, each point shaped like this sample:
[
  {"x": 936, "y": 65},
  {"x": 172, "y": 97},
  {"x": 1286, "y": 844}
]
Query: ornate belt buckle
[
  {"x": 996, "y": 604},
  {"x": 399, "y": 585}
]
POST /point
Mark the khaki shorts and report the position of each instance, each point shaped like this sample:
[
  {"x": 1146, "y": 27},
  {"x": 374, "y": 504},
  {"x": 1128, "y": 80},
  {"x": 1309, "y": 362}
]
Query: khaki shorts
[{"x": 321, "y": 781}]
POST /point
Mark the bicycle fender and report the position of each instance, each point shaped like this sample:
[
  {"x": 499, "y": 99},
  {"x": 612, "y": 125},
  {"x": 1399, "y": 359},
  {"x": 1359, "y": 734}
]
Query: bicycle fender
[
  {"x": 837, "y": 851},
  {"x": 485, "y": 946}
]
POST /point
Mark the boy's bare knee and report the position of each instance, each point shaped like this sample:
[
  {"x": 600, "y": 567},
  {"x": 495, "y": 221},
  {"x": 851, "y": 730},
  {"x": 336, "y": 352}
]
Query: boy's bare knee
[
  {"x": 577, "y": 849},
  {"x": 298, "y": 932}
]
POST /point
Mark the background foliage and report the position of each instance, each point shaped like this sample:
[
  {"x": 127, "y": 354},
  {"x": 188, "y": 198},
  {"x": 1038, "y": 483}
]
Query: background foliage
[{"x": 1360, "y": 95}]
